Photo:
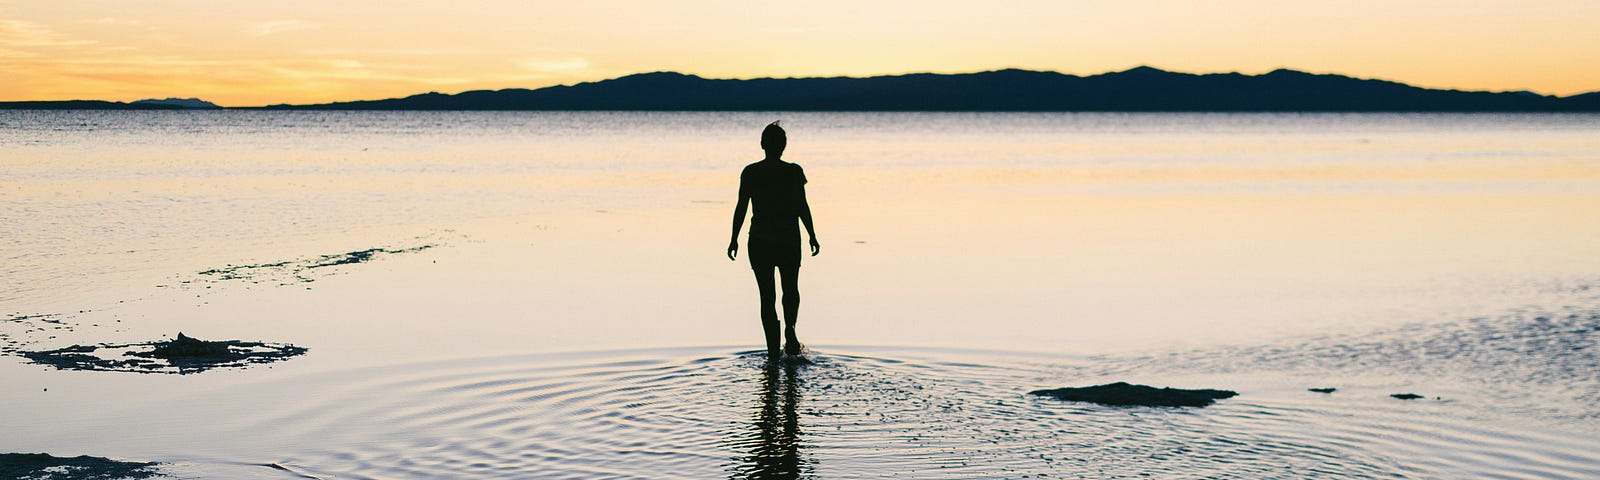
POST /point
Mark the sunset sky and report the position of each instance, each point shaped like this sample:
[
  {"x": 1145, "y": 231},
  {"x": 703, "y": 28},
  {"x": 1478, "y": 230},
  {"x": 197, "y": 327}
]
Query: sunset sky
[{"x": 241, "y": 53}]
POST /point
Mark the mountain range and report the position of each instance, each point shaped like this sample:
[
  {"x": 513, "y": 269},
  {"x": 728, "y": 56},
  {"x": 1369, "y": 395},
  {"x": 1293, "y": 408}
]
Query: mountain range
[
  {"x": 147, "y": 104},
  {"x": 1137, "y": 89}
]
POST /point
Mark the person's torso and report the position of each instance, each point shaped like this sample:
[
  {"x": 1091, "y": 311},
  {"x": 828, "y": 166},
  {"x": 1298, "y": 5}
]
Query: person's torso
[{"x": 776, "y": 197}]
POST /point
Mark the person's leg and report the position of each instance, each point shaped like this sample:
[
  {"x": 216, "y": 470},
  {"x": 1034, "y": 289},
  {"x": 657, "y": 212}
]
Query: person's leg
[
  {"x": 769, "y": 308},
  {"x": 791, "y": 306}
]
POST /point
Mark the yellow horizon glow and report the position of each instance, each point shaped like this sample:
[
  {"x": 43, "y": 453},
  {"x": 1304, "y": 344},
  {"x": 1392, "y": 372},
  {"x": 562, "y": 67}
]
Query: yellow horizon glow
[{"x": 300, "y": 51}]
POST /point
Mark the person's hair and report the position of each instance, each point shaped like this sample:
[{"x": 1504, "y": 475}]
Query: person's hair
[{"x": 773, "y": 138}]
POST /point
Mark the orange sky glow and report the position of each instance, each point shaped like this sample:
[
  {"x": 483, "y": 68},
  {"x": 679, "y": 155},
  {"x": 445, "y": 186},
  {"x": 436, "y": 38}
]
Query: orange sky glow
[{"x": 299, "y": 51}]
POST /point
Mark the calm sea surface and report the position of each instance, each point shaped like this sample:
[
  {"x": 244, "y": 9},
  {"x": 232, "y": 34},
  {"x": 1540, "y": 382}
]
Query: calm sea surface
[{"x": 574, "y": 317}]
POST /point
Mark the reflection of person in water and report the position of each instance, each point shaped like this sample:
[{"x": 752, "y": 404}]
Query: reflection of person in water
[
  {"x": 778, "y": 189},
  {"x": 774, "y": 452}
]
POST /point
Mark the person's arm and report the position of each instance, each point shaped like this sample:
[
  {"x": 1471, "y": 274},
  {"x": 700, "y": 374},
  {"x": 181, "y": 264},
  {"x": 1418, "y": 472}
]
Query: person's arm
[
  {"x": 738, "y": 221},
  {"x": 805, "y": 219}
]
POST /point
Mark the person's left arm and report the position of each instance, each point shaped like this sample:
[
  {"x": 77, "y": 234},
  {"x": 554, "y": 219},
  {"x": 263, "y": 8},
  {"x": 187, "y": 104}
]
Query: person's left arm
[{"x": 805, "y": 219}]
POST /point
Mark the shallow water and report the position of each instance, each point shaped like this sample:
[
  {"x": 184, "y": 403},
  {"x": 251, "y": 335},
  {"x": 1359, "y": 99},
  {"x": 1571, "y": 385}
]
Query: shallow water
[
  {"x": 921, "y": 413},
  {"x": 543, "y": 294}
]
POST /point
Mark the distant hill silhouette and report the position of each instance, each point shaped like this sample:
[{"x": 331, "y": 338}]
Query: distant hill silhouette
[
  {"x": 84, "y": 105},
  {"x": 1137, "y": 89},
  {"x": 193, "y": 103}
]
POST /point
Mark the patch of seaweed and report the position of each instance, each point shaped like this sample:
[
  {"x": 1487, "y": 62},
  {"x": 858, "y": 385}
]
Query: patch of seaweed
[
  {"x": 183, "y": 355},
  {"x": 298, "y": 270},
  {"x": 43, "y": 466},
  {"x": 1126, "y": 394},
  {"x": 241, "y": 272},
  {"x": 43, "y": 317},
  {"x": 19, "y": 332},
  {"x": 18, "y": 329}
]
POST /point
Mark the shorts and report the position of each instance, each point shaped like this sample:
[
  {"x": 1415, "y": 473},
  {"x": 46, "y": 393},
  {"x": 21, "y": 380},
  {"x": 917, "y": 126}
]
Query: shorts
[{"x": 766, "y": 253}]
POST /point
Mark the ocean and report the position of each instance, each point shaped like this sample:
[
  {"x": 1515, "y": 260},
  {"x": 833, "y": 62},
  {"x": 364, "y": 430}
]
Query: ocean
[{"x": 545, "y": 294}]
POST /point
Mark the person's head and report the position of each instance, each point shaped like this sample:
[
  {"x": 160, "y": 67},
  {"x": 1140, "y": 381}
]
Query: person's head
[{"x": 773, "y": 139}]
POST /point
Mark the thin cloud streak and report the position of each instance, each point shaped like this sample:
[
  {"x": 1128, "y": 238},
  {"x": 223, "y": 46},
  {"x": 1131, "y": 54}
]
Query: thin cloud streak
[
  {"x": 18, "y": 33},
  {"x": 281, "y": 26},
  {"x": 394, "y": 52}
]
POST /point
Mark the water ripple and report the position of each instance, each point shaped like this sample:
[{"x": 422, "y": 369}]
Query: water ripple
[{"x": 663, "y": 414}]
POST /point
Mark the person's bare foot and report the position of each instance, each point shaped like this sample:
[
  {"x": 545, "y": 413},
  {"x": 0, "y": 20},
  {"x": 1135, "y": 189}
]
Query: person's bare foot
[{"x": 792, "y": 345}]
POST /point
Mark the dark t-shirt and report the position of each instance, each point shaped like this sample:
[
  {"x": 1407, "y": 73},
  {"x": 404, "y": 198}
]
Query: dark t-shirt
[{"x": 777, "y": 190}]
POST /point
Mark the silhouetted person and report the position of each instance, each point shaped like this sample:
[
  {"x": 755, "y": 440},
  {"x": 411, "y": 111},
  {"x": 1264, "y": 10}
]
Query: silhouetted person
[{"x": 778, "y": 189}]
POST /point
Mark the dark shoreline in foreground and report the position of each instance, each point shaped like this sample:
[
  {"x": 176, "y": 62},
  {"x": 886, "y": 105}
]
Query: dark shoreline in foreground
[{"x": 1141, "y": 89}]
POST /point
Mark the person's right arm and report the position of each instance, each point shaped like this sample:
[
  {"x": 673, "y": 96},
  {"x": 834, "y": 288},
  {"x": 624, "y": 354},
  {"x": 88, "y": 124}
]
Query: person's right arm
[{"x": 738, "y": 220}]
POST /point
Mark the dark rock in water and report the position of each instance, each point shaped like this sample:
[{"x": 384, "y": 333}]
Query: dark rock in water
[
  {"x": 1407, "y": 396},
  {"x": 1125, "y": 394},
  {"x": 185, "y": 346},
  {"x": 43, "y": 466},
  {"x": 183, "y": 355},
  {"x": 1323, "y": 390}
]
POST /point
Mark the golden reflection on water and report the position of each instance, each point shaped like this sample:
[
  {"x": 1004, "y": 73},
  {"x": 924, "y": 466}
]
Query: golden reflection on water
[{"x": 1048, "y": 231}]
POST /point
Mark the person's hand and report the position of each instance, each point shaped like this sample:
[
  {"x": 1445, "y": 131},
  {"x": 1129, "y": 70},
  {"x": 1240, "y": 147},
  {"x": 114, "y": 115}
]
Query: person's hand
[
  {"x": 733, "y": 249},
  {"x": 815, "y": 247}
]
